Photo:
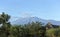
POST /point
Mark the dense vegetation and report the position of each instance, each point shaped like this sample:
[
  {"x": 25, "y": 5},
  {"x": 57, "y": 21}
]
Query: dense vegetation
[{"x": 34, "y": 29}]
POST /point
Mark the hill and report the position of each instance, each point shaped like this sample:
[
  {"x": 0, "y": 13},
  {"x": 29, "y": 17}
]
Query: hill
[{"x": 34, "y": 19}]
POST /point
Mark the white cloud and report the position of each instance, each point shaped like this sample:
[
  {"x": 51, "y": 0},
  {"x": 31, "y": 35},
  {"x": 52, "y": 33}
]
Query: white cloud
[{"x": 26, "y": 14}]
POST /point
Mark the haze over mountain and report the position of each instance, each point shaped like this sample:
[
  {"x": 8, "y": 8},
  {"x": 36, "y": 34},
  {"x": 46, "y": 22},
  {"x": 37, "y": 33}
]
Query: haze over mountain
[{"x": 34, "y": 19}]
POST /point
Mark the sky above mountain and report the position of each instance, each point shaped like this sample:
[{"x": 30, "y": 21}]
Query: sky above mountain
[{"x": 46, "y": 9}]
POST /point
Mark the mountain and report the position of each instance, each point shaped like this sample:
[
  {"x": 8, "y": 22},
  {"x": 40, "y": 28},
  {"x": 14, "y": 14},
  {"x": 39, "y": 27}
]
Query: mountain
[{"x": 34, "y": 19}]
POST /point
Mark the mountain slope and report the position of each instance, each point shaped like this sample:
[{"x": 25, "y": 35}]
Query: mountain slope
[{"x": 34, "y": 19}]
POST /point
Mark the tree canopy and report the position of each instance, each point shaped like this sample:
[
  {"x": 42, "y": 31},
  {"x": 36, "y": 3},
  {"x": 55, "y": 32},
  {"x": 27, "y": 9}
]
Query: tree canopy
[{"x": 34, "y": 29}]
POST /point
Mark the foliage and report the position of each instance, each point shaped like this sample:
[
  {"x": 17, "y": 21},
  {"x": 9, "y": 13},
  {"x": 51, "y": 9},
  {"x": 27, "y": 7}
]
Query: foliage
[
  {"x": 54, "y": 32},
  {"x": 34, "y": 29}
]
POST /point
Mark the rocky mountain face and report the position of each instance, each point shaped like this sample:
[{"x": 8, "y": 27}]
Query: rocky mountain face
[{"x": 34, "y": 19}]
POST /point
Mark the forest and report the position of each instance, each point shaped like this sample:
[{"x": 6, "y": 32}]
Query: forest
[{"x": 34, "y": 29}]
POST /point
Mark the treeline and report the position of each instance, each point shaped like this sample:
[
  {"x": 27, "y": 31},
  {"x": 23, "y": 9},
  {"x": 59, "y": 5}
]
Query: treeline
[{"x": 34, "y": 29}]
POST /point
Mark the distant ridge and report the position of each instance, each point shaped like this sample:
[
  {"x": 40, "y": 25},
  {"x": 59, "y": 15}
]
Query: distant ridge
[{"x": 34, "y": 19}]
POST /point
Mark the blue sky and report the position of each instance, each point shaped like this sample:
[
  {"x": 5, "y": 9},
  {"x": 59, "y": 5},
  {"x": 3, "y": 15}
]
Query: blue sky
[{"x": 46, "y": 9}]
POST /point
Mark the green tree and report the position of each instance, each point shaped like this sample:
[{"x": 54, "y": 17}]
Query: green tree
[
  {"x": 4, "y": 18},
  {"x": 54, "y": 32}
]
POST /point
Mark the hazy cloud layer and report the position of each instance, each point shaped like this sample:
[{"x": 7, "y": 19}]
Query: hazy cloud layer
[{"x": 26, "y": 14}]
